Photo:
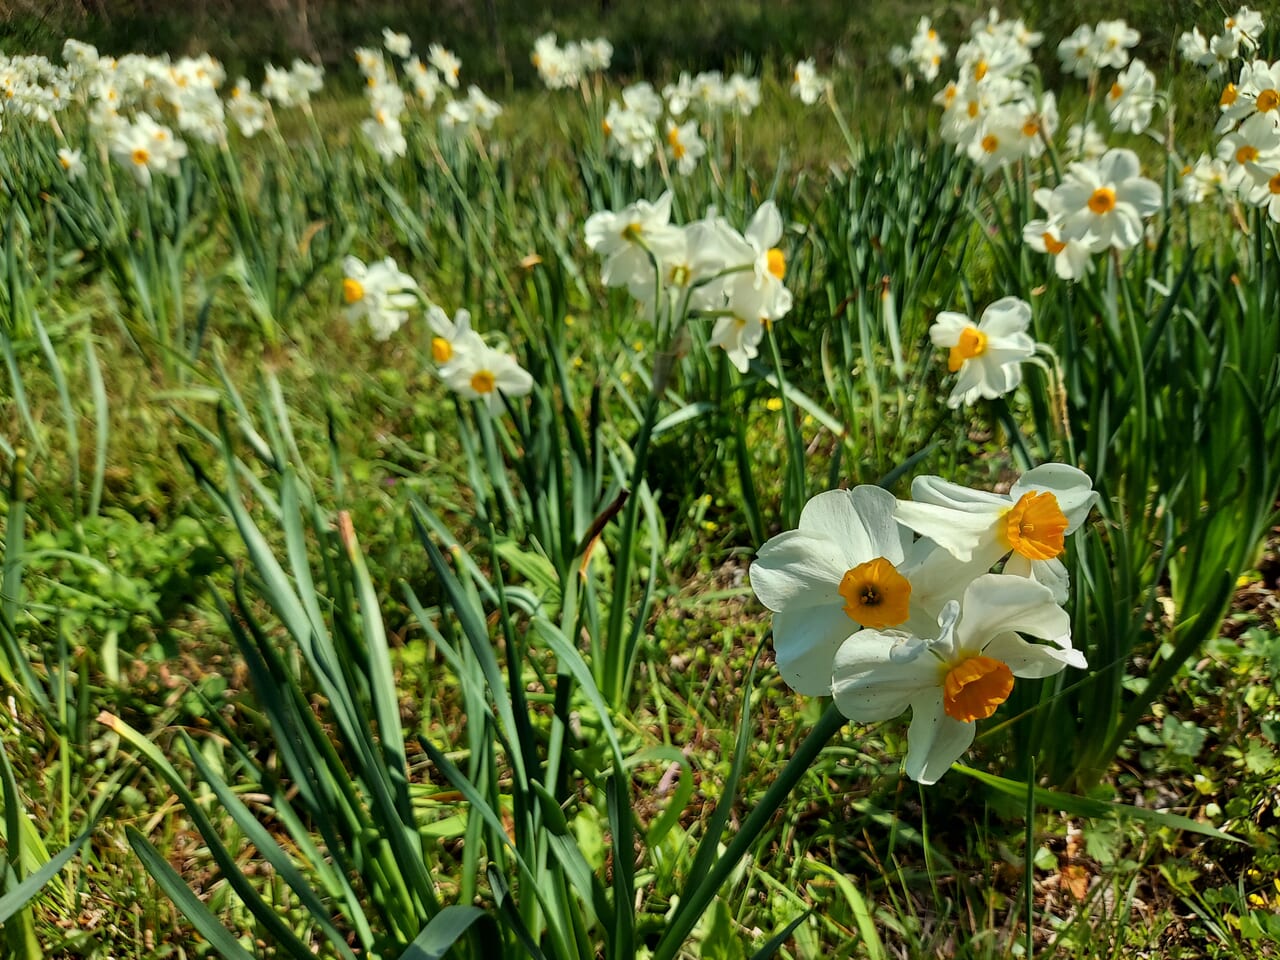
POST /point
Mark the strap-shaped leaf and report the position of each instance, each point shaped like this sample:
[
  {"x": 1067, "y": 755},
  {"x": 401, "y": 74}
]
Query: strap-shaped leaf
[{"x": 192, "y": 907}]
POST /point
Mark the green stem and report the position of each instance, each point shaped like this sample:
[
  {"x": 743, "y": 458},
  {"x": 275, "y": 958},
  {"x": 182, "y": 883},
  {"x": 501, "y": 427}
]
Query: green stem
[{"x": 692, "y": 908}]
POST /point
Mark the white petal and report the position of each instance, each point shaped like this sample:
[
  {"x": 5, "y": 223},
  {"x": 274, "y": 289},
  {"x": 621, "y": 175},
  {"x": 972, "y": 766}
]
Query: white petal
[
  {"x": 1071, "y": 487},
  {"x": 934, "y": 740},
  {"x": 805, "y": 641},
  {"x": 997, "y": 603},
  {"x": 1032, "y": 660},
  {"x": 765, "y": 228},
  {"x": 958, "y": 531},
  {"x": 936, "y": 577},
  {"x": 797, "y": 569},
  {"x": 877, "y": 675},
  {"x": 1007, "y": 316},
  {"x": 947, "y": 494},
  {"x": 1052, "y": 573}
]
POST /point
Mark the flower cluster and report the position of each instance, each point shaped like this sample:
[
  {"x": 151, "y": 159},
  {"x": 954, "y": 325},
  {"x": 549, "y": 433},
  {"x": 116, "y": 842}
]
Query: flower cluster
[
  {"x": 989, "y": 112},
  {"x": 382, "y": 295},
  {"x": 1099, "y": 205},
  {"x": 635, "y": 127},
  {"x": 430, "y": 80},
  {"x": 560, "y": 67},
  {"x": 706, "y": 266},
  {"x": 923, "y": 57},
  {"x": 886, "y": 604},
  {"x": 383, "y": 128},
  {"x": 1247, "y": 162},
  {"x": 292, "y": 87},
  {"x": 1239, "y": 38}
]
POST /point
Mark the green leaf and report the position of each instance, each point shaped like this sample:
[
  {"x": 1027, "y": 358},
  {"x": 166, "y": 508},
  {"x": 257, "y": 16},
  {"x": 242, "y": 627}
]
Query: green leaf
[
  {"x": 1084, "y": 807},
  {"x": 192, "y": 907},
  {"x": 438, "y": 936},
  {"x": 721, "y": 940},
  {"x": 18, "y": 897}
]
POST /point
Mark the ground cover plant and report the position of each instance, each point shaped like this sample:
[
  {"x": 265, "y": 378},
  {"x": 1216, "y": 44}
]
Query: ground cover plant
[{"x": 564, "y": 528}]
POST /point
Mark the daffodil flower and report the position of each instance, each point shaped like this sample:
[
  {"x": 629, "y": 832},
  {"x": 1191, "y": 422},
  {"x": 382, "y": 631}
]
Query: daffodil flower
[
  {"x": 988, "y": 354},
  {"x": 1029, "y": 524},
  {"x": 452, "y": 338},
  {"x": 958, "y": 678},
  {"x": 839, "y": 572},
  {"x": 629, "y": 239},
  {"x": 486, "y": 374},
  {"x": 379, "y": 293}
]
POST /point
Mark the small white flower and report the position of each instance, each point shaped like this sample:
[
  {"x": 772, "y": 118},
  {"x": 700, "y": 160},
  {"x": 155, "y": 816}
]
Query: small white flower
[
  {"x": 486, "y": 374},
  {"x": 806, "y": 83},
  {"x": 1107, "y": 199},
  {"x": 987, "y": 355},
  {"x": 838, "y": 572},
  {"x": 398, "y": 44},
  {"x": 444, "y": 61},
  {"x": 1112, "y": 40},
  {"x": 378, "y": 293},
  {"x": 1132, "y": 98},
  {"x": 961, "y": 676},
  {"x": 72, "y": 163}
]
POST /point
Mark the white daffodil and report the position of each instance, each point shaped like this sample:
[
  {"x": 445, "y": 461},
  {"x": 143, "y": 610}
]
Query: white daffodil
[
  {"x": 1257, "y": 92},
  {"x": 486, "y": 374},
  {"x": 1269, "y": 196},
  {"x": 145, "y": 147},
  {"x": 1251, "y": 152},
  {"x": 385, "y": 134},
  {"x": 988, "y": 354},
  {"x": 1000, "y": 139},
  {"x": 1192, "y": 45},
  {"x": 248, "y": 111},
  {"x": 742, "y": 94},
  {"x": 1224, "y": 50},
  {"x": 1085, "y": 142},
  {"x": 72, "y": 163},
  {"x": 806, "y": 83},
  {"x": 958, "y": 678},
  {"x": 685, "y": 146},
  {"x": 927, "y": 50},
  {"x": 1108, "y": 199},
  {"x": 378, "y": 293},
  {"x": 768, "y": 264},
  {"x": 444, "y": 61},
  {"x": 739, "y": 335},
  {"x": 631, "y": 239},
  {"x": 397, "y": 43},
  {"x": 1247, "y": 25},
  {"x": 1071, "y": 257},
  {"x": 1208, "y": 176},
  {"x": 1112, "y": 40},
  {"x": 838, "y": 572},
  {"x": 595, "y": 54},
  {"x": 1132, "y": 97},
  {"x": 452, "y": 338},
  {"x": 1038, "y": 124},
  {"x": 1077, "y": 52},
  {"x": 1030, "y": 523}
]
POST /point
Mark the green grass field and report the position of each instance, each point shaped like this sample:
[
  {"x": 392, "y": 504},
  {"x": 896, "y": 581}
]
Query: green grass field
[{"x": 312, "y": 645}]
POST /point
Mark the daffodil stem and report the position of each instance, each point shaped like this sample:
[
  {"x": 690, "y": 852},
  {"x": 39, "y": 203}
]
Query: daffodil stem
[{"x": 693, "y": 906}]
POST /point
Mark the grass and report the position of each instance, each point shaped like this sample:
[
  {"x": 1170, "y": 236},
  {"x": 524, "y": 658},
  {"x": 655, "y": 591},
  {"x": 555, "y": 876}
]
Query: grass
[{"x": 870, "y": 864}]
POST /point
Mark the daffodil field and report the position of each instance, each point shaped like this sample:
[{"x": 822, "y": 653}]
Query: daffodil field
[{"x": 587, "y": 526}]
